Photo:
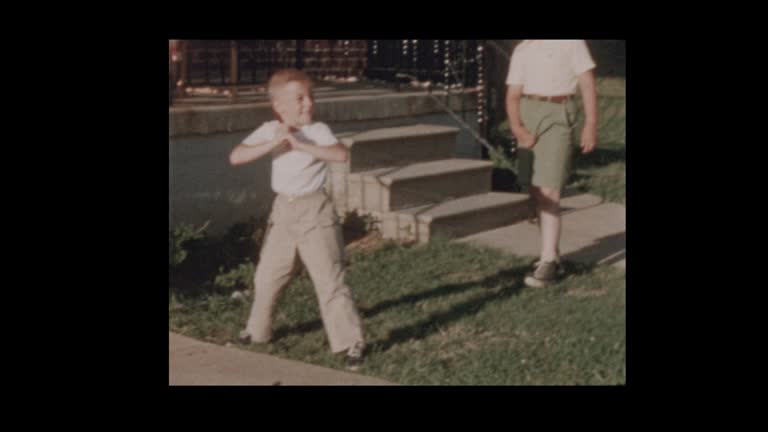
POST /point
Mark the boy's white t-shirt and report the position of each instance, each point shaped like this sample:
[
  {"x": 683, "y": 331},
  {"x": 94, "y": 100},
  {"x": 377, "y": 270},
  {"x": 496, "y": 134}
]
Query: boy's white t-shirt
[
  {"x": 296, "y": 173},
  {"x": 549, "y": 67}
]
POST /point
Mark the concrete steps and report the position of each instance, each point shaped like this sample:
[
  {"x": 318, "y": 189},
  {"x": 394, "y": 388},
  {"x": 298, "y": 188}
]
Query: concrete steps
[
  {"x": 408, "y": 180},
  {"x": 388, "y": 189},
  {"x": 456, "y": 218},
  {"x": 399, "y": 146}
]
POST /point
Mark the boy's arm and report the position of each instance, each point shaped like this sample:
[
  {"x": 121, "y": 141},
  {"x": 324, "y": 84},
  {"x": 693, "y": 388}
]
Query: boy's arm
[
  {"x": 525, "y": 138},
  {"x": 334, "y": 153},
  {"x": 248, "y": 153},
  {"x": 589, "y": 98},
  {"x": 245, "y": 153}
]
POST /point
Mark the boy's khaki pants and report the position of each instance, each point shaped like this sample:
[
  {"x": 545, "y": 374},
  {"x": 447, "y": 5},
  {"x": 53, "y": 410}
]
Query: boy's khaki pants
[{"x": 305, "y": 227}]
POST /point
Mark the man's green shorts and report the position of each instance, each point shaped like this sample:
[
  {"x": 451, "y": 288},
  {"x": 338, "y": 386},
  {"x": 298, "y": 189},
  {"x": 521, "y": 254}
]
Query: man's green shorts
[{"x": 548, "y": 163}]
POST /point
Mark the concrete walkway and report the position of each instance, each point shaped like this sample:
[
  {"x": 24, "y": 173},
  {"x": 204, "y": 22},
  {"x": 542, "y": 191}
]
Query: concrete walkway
[
  {"x": 592, "y": 232},
  {"x": 192, "y": 362}
]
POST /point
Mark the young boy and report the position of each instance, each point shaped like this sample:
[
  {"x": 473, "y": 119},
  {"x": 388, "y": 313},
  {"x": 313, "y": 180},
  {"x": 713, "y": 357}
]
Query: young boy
[
  {"x": 543, "y": 76},
  {"x": 303, "y": 222}
]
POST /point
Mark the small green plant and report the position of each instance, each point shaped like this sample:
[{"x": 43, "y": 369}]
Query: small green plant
[
  {"x": 356, "y": 226},
  {"x": 242, "y": 241},
  {"x": 238, "y": 278},
  {"x": 504, "y": 143},
  {"x": 178, "y": 237},
  {"x": 201, "y": 264}
]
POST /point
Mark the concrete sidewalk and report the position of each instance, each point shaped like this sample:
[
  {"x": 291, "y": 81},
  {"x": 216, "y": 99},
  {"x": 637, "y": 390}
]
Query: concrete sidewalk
[
  {"x": 592, "y": 232},
  {"x": 192, "y": 362}
]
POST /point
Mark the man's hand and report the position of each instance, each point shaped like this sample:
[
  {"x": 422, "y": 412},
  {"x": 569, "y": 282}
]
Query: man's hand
[
  {"x": 588, "y": 90},
  {"x": 588, "y": 138},
  {"x": 525, "y": 139}
]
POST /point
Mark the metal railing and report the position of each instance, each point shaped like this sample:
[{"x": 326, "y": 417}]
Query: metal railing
[
  {"x": 446, "y": 62},
  {"x": 451, "y": 65}
]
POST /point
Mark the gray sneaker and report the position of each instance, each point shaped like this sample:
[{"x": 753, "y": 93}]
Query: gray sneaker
[
  {"x": 545, "y": 273},
  {"x": 244, "y": 337},
  {"x": 355, "y": 357}
]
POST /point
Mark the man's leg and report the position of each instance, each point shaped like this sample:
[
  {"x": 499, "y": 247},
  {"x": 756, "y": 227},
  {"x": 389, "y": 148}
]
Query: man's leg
[
  {"x": 551, "y": 165},
  {"x": 548, "y": 202},
  {"x": 550, "y": 223},
  {"x": 535, "y": 194}
]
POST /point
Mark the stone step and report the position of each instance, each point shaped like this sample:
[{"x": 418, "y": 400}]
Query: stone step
[
  {"x": 399, "y": 146},
  {"x": 393, "y": 188},
  {"x": 455, "y": 218}
]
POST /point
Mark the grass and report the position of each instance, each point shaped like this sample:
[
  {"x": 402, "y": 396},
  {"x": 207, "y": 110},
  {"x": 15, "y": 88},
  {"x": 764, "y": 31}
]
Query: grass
[
  {"x": 603, "y": 172},
  {"x": 446, "y": 314}
]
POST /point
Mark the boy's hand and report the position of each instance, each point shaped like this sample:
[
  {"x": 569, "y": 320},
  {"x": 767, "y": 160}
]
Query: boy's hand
[
  {"x": 588, "y": 139},
  {"x": 294, "y": 143},
  {"x": 283, "y": 133},
  {"x": 280, "y": 149},
  {"x": 283, "y": 138},
  {"x": 524, "y": 138}
]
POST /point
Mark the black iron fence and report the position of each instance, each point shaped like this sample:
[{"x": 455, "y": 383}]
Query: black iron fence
[
  {"x": 209, "y": 62},
  {"x": 446, "y": 62},
  {"x": 452, "y": 65}
]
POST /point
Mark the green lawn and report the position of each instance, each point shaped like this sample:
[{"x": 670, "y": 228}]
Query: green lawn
[
  {"x": 446, "y": 314},
  {"x": 603, "y": 172}
]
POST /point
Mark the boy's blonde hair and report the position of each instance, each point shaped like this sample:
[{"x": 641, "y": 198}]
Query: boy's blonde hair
[{"x": 282, "y": 77}]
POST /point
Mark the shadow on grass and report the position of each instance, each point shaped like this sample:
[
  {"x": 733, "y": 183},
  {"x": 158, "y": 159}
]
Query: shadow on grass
[
  {"x": 509, "y": 280},
  {"x": 370, "y": 312}
]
